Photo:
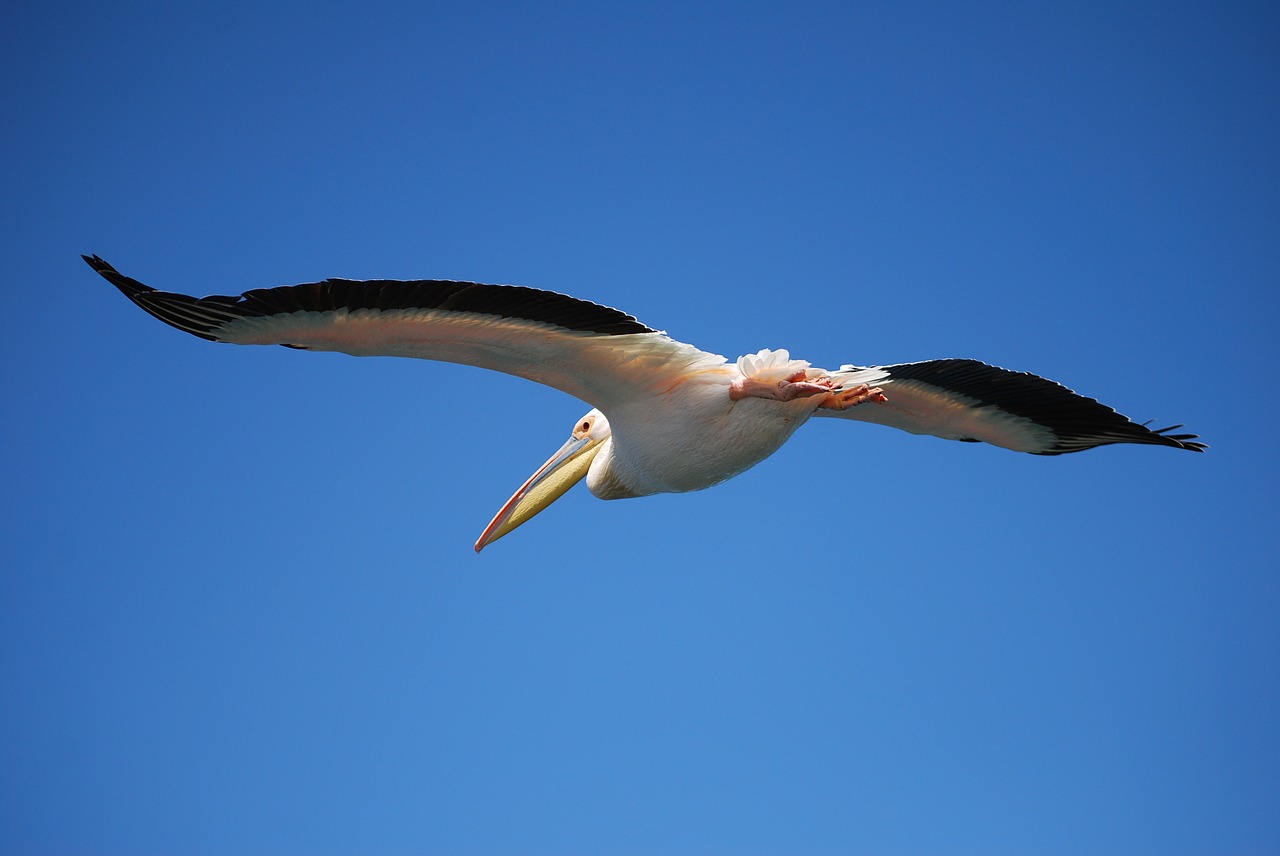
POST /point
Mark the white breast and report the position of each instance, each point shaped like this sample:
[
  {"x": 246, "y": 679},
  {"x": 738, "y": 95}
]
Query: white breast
[{"x": 692, "y": 438}]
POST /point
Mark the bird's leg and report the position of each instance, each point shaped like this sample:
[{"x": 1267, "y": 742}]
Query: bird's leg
[
  {"x": 793, "y": 387},
  {"x": 843, "y": 399},
  {"x": 804, "y": 385}
]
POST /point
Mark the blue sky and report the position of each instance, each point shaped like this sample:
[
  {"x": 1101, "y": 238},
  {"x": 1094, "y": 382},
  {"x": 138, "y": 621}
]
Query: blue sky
[{"x": 240, "y": 611}]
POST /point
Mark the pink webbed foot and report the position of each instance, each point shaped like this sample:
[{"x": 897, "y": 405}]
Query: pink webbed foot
[
  {"x": 803, "y": 385},
  {"x": 843, "y": 399},
  {"x": 789, "y": 389}
]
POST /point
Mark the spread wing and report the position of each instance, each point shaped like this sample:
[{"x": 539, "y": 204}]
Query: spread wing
[
  {"x": 598, "y": 354},
  {"x": 970, "y": 400}
]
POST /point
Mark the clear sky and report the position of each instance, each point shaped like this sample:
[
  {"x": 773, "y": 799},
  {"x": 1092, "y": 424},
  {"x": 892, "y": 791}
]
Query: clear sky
[{"x": 239, "y": 608}]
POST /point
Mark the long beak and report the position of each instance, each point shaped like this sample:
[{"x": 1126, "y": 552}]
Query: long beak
[{"x": 565, "y": 469}]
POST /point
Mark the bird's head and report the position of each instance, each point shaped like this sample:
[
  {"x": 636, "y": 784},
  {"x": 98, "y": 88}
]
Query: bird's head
[{"x": 562, "y": 471}]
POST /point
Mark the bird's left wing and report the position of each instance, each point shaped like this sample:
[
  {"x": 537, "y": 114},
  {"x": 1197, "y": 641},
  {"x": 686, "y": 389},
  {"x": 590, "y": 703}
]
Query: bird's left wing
[
  {"x": 598, "y": 354},
  {"x": 970, "y": 400}
]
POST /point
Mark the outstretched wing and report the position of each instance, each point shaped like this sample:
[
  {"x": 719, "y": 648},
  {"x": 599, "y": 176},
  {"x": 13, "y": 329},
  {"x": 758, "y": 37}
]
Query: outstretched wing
[
  {"x": 970, "y": 400},
  {"x": 598, "y": 354}
]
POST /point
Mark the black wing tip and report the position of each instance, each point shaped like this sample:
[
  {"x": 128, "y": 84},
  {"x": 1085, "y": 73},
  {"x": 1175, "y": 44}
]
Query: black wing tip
[
  {"x": 100, "y": 265},
  {"x": 1123, "y": 431},
  {"x": 1190, "y": 442},
  {"x": 177, "y": 310},
  {"x": 205, "y": 316},
  {"x": 1083, "y": 444},
  {"x": 127, "y": 284},
  {"x": 1076, "y": 421}
]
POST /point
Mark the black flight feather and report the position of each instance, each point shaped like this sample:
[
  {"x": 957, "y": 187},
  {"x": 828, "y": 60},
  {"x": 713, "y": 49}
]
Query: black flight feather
[
  {"x": 1077, "y": 422},
  {"x": 204, "y": 316}
]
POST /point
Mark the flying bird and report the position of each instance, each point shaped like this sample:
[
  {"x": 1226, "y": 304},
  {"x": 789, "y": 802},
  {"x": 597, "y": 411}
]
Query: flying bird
[{"x": 666, "y": 417}]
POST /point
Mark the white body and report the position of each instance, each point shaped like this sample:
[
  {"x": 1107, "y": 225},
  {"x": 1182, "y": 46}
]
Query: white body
[
  {"x": 691, "y": 438},
  {"x": 669, "y": 417}
]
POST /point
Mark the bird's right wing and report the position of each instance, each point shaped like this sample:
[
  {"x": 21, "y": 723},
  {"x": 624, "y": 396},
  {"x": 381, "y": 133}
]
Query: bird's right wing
[
  {"x": 972, "y": 401},
  {"x": 598, "y": 354}
]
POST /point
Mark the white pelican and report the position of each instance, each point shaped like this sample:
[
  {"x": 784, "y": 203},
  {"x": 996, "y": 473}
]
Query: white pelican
[{"x": 666, "y": 416}]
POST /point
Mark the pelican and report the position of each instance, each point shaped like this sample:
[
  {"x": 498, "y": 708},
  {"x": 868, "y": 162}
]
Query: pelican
[{"x": 665, "y": 416}]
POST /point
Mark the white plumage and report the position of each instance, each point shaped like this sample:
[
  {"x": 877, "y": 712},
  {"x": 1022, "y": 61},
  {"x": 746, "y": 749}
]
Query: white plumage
[{"x": 667, "y": 416}]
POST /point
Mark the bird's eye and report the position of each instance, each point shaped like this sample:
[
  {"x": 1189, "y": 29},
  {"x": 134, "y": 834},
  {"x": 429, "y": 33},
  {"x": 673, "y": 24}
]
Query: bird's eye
[{"x": 586, "y": 426}]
